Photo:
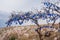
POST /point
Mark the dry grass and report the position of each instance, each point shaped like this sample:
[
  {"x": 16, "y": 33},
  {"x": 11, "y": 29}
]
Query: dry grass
[{"x": 24, "y": 33}]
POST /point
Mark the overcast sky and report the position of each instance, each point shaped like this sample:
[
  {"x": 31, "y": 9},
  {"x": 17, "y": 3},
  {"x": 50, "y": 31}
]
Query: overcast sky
[
  {"x": 6, "y": 6},
  {"x": 9, "y": 5}
]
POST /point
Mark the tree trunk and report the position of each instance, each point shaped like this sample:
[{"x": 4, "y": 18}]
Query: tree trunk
[
  {"x": 38, "y": 30},
  {"x": 59, "y": 24},
  {"x": 53, "y": 23}
]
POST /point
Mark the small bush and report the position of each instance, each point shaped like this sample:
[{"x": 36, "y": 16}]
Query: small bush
[{"x": 12, "y": 38}]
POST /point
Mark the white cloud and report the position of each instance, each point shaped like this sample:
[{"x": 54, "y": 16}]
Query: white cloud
[{"x": 9, "y": 5}]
